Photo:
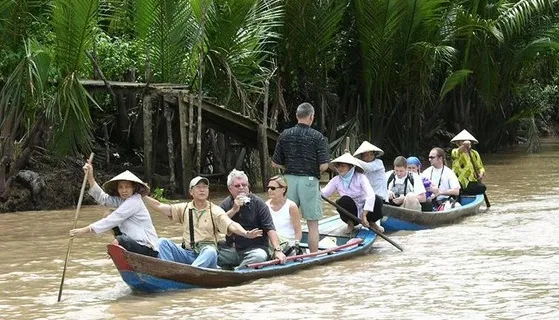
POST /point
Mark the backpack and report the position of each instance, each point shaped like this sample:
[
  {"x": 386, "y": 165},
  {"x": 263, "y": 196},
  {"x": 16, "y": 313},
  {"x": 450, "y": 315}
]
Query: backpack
[{"x": 409, "y": 177}]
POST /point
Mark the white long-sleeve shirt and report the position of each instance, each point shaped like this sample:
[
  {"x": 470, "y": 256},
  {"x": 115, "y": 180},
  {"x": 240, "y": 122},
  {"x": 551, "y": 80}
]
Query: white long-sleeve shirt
[
  {"x": 374, "y": 171},
  {"x": 130, "y": 215}
]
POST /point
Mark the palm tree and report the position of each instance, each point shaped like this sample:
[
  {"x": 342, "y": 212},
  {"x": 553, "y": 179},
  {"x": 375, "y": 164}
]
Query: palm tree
[{"x": 28, "y": 106}]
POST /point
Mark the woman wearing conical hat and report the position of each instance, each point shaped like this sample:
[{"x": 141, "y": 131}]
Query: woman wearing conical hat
[
  {"x": 123, "y": 192},
  {"x": 368, "y": 157},
  {"x": 467, "y": 164},
  {"x": 356, "y": 193}
]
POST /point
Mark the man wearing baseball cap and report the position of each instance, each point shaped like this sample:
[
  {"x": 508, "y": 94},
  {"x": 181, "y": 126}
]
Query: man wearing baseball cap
[{"x": 202, "y": 222}]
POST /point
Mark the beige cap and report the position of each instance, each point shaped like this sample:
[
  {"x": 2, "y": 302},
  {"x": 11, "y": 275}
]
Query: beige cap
[
  {"x": 463, "y": 136},
  {"x": 366, "y": 146},
  {"x": 111, "y": 186},
  {"x": 197, "y": 180},
  {"x": 349, "y": 159}
]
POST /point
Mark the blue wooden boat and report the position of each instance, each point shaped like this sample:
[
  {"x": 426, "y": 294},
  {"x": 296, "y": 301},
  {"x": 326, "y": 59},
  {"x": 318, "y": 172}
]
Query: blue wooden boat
[
  {"x": 147, "y": 274},
  {"x": 396, "y": 218}
]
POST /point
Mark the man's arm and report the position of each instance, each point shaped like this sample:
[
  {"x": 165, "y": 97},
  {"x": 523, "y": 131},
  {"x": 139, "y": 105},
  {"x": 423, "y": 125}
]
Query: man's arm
[
  {"x": 237, "y": 229},
  {"x": 279, "y": 166},
  {"x": 323, "y": 167},
  {"x": 157, "y": 206},
  {"x": 274, "y": 240},
  {"x": 237, "y": 203}
]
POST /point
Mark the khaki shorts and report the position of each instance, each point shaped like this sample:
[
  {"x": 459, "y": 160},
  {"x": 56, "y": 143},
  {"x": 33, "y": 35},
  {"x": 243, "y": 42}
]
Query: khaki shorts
[{"x": 305, "y": 192}]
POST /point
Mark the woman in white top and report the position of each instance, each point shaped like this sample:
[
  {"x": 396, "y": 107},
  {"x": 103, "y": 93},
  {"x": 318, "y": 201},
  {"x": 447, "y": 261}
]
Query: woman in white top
[
  {"x": 285, "y": 213},
  {"x": 123, "y": 192}
]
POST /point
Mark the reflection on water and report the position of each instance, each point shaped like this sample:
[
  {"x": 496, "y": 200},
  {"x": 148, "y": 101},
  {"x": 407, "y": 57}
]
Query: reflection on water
[{"x": 497, "y": 265}]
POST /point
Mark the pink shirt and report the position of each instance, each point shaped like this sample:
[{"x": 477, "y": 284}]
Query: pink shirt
[{"x": 359, "y": 190}]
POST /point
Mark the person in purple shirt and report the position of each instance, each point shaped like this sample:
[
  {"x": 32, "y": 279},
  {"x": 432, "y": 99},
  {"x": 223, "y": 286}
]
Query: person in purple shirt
[{"x": 356, "y": 193}]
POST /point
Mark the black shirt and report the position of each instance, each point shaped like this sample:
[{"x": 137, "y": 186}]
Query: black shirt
[
  {"x": 302, "y": 149},
  {"x": 254, "y": 214}
]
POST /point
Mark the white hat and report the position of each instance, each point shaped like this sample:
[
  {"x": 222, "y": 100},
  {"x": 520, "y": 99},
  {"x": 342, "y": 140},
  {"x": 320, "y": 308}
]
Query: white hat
[
  {"x": 111, "y": 186},
  {"x": 349, "y": 159},
  {"x": 366, "y": 146},
  {"x": 463, "y": 136},
  {"x": 197, "y": 180}
]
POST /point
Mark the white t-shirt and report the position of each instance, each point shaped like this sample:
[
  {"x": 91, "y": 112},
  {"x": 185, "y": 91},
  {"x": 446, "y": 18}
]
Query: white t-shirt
[
  {"x": 443, "y": 178},
  {"x": 398, "y": 184}
]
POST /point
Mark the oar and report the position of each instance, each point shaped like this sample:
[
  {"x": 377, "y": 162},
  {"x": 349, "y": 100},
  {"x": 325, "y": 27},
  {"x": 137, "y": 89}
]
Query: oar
[
  {"x": 75, "y": 223},
  {"x": 487, "y": 204},
  {"x": 348, "y": 215}
]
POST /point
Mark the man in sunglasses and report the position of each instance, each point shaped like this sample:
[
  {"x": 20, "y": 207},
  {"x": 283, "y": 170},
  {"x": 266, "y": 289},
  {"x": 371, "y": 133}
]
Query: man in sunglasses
[
  {"x": 252, "y": 213},
  {"x": 303, "y": 153},
  {"x": 444, "y": 183}
]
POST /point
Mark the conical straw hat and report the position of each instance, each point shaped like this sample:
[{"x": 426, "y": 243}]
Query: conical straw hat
[
  {"x": 368, "y": 147},
  {"x": 349, "y": 159},
  {"x": 463, "y": 136},
  {"x": 111, "y": 186}
]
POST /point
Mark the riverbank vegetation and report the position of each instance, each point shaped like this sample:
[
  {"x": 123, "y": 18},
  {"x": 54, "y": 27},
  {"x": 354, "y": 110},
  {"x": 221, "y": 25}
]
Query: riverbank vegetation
[{"x": 405, "y": 75}]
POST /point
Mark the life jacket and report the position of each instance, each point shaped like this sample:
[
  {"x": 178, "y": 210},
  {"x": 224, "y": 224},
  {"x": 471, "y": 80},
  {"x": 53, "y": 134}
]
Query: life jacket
[{"x": 392, "y": 177}]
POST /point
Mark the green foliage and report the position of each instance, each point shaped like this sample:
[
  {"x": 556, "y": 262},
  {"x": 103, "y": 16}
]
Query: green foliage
[{"x": 159, "y": 195}]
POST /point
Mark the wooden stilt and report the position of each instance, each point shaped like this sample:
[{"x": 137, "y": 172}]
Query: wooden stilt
[
  {"x": 263, "y": 140},
  {"x": 148, "y": 138},
  {"x": 168, "y": 113},
  {"x": 183, "y": 120}
]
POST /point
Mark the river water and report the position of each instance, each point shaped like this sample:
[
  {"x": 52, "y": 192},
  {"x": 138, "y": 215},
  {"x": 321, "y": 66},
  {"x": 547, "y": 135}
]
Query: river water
[{"x": 500, "y": 264}]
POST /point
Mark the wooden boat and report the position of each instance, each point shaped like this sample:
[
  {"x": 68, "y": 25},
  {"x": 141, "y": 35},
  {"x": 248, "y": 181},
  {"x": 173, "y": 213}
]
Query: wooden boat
[
  {"x": 147, "y": 274},
  {"x": 396, "y": 218}
]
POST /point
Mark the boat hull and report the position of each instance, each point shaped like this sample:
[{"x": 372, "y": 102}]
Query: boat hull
[
  {"x": 148, "y": 274},
  {"x": 396, "y": 218}
]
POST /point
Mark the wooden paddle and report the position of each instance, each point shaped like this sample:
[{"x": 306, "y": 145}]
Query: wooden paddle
[
  {"x": 356, "y": 221},
  {"x": 74, "y": 226}
]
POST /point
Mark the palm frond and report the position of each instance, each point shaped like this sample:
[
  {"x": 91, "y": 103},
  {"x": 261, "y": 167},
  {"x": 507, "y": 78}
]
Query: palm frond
[
  {"x": 23, "y": 94},
  {"x": 69, "y": 114},
  {"x": 456, "y": 78},
  {"x": 74, "y": 23},
  {"x": 514, "y": 17}
]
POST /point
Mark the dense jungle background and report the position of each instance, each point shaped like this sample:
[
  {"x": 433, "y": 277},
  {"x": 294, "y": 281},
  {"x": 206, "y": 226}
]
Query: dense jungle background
[{"x": 405, "y": 75}]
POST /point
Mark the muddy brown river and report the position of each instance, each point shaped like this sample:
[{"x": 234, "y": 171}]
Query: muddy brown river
[{"x": 500, "y": 264}]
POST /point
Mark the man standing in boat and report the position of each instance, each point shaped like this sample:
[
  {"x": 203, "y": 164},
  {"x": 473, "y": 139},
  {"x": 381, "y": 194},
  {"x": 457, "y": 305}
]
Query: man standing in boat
[
  {"x": 303, "y": 154},
  {"x": 467, "y": 164},
  {"x": 251, "y": 212},
  {"x": 201, "y": 220}
]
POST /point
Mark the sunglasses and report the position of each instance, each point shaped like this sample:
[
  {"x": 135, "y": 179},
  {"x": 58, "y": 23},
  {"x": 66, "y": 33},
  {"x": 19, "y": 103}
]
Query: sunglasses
[
  {"x": 274, "y": 188},
  {"x": 244, "y": 185}
]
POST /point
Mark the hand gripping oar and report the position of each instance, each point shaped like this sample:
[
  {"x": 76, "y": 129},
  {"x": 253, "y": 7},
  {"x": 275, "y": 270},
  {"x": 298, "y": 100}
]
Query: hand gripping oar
[
  {"x": 353, "y": 218},
  {"x": 75, "y": 223}
]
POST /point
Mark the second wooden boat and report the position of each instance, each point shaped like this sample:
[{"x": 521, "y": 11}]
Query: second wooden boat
[{"x": 396, "y": 218}]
